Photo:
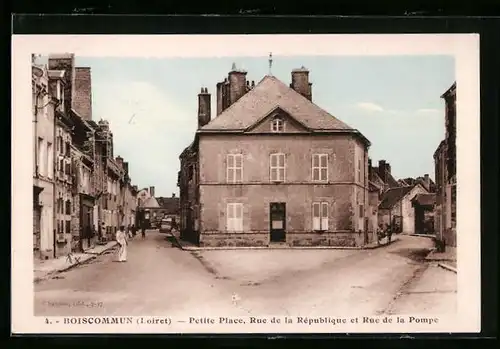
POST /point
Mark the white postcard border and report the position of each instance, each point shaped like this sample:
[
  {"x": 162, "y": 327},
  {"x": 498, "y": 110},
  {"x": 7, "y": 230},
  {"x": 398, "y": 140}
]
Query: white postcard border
[{"x": 465, "y": 49}]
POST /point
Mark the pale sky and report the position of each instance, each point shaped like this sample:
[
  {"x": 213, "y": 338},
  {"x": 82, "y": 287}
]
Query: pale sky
[{"x": 152, "y": 105}]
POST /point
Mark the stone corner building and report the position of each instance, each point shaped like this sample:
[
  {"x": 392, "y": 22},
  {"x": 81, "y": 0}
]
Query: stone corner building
[
  {"x": 445, "y": 171},
  {"x": 273, "y": 167}
]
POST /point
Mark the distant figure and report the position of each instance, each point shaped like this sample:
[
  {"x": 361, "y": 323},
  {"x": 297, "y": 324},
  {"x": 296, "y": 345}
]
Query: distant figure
[
  {"x": 121, "y": 238},
  {"x": 175, "y": 227},
  {"x": 99, "y": 231},
  {"x": 134, "y": 230},
  {"x": 143, "y": 231},
  {"x": 388, "y": 233}
]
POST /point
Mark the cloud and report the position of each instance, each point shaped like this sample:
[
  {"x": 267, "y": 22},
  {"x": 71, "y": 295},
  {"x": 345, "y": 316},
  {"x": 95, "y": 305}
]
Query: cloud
[
  {"x": 427, "y": 111},
  {"x": 150, "y": 129},
  {"x": 369, "y": 107}
]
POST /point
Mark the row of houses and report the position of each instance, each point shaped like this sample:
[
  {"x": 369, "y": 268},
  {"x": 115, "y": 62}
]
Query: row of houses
[
  {"x": 152, "y": 209},
  {"x": 273, "y": 167},
  {"x": 421, "y": 205},
  {"x": 445, "y": 159},
  {"x": 404, "y": 205},
  {"x": 82, "y": 193}
]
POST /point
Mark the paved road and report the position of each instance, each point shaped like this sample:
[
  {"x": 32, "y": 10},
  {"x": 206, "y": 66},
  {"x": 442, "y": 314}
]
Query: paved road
[{"x": 159, "y": 279}]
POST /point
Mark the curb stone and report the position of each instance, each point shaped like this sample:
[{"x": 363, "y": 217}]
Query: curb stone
[
  {"x": 197, "y": 248},
  {"x": 447, "y": 267},
  {"x": 428, "y": 236},
  {"x": 83, "y": 260}
]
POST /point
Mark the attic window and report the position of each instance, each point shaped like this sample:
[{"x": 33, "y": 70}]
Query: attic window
[{"x": 277, "y": 125}]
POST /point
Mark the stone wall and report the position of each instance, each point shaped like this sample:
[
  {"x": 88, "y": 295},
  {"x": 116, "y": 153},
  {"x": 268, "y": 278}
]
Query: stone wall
[
  {"x": 262, "y": 238},
  {"x": 82, "y": 98}
]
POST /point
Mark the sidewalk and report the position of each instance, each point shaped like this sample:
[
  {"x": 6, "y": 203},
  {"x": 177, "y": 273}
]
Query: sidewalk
[
  {"x": 188, "y": 246},
  {"x": 446, "y": 260},
  {"x": 43, "y": 269}
]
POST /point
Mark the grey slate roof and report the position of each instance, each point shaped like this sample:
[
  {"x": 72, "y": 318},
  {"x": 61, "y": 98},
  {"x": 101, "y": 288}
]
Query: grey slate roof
[
  {"x": 425, "y": 199},
  {"x": 268, "y": 94},
  {"x": 392, "y": 196},
  {"x": 171, "y": 205}
]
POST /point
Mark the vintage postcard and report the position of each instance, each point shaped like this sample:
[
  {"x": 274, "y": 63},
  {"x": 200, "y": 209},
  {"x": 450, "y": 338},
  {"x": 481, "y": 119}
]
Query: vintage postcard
[{"x": 246, "y": 184}]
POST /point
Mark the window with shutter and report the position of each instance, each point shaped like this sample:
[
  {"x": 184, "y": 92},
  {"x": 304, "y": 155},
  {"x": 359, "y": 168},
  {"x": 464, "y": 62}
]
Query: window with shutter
[
  {"x": 359, "y": 171},
  {"x": 320, "y": 167},
  {"x": 234, "y": 217},
  {"x": 68, "y": 207},
  {"x": 277, "y": 167},
  {"x": 320, "y": 216},
  {"x": 277, "y": 125},
  {"x": 41, "y": 157},
  {"x": 234, "y": 167}
]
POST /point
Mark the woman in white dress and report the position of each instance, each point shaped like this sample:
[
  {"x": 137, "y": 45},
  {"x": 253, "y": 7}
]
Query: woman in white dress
[{"x": 121, "y": 238}]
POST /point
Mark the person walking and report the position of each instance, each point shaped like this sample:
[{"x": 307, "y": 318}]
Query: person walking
[
  {"x": 143, "y": 232},
  {"x": 121, "y": 238}
]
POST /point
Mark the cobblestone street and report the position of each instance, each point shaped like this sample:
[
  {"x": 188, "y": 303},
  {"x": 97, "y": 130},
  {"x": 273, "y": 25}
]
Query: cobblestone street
[{"x": 162, "y": 280}]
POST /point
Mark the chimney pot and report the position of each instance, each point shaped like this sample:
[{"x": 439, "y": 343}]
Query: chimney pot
[
  {"x": 300, "y": 82},
  {"x": 237, "y": 85},
  {"x": 382, "y": 170},
  {"x": 204, "y": 107}
]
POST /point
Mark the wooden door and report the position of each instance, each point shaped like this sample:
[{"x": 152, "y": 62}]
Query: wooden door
[{"x": 277, "y": 221}]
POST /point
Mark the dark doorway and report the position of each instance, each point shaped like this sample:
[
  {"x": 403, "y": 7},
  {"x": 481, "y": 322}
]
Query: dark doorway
[
  {"x": 86, "y": 218},
  {"x": 277, "y": 221}
]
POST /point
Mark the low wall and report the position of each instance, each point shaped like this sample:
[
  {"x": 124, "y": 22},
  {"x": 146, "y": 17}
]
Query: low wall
[{"x": 262, "y": 238}]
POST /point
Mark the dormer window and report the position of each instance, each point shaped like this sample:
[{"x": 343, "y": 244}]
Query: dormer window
[{"x": 278, "y": 125}]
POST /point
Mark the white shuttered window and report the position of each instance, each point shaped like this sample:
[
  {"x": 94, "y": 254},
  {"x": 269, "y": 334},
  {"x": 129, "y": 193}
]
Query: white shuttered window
[
  {"x": 320, "y": 216},
  {"x": 234, "y": 217},
  {"x": 277, "y": 167},
  {"x": 320, "y": 167},
  {"x": 234, "y": 168}
]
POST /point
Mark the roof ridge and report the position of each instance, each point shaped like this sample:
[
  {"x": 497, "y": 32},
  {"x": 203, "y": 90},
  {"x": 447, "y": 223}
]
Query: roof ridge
[
  {"x": 235, "y": 103},
  {"x": 268, "y": 94},
  {"x": 314, "y": 104}
]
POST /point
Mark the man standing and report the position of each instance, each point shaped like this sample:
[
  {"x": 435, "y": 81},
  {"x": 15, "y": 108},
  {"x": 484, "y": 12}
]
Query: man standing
[{"x": 143, "y": 230}]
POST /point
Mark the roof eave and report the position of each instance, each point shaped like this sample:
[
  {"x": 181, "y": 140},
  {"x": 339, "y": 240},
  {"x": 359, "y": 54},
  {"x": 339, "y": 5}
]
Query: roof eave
[{"x": 450, "y": 90}]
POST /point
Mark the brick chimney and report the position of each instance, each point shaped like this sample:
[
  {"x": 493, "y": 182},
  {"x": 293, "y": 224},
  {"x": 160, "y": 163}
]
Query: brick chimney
[
  {"x": 152, "y": 191},
  {"x": 427, "y": 182},
  {"x": 82, "y": 95},
  {"x": 223, "y": 101},
  {"x": 388, "y": 168},
  {"x": 370, "y": 169},
  {"x": 125, "y": 167},
  {"x": 204, "y": 107},
  {"x": 65, "y": 62},
  {"x": 173, "y": 195},
  {"x": 382, "y": 170},
  {"x": 300, "y": 82},
  {"x": 119, "y": 161},
  {"x": 237, "y": 84}
]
